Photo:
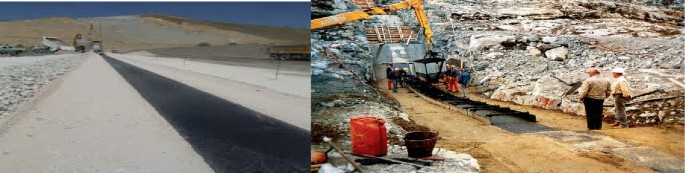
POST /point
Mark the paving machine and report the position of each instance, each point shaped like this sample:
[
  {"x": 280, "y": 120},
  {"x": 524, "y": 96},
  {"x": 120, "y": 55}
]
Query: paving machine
[
  {"x": 430, "y": 68},
  {"x": 80, "y": 43}
]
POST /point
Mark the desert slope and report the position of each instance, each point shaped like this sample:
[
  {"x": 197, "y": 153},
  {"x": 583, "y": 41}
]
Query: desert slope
[{"x": 141, "y": 32}]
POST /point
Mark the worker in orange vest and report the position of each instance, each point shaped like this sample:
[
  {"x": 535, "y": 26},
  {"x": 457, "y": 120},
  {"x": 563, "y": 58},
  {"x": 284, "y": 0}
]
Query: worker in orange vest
[{"x": 454, "y": 77}]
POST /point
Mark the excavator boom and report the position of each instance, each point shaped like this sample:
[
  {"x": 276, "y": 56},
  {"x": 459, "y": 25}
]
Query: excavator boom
[
  {"x": 339, "y": 19},
  {"x": 416, "y": 5}
]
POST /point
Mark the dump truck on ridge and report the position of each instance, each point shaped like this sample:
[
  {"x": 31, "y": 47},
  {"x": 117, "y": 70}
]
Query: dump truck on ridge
[{"x": 296, "y": 52}]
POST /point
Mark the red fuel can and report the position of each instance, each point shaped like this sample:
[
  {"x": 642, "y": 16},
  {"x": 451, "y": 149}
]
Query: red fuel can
[{"x": 369, "y": 136}]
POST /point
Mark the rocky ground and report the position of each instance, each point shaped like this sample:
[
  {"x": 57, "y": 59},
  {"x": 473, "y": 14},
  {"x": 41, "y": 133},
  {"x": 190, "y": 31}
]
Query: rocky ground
[
  {"x": 536, "y": 53},
  {"x": 19, "y": 81},
  {"x": 342, "y": 88},
  {"x": 531, "y": 53},
  {"x": 454, "y": 162}
]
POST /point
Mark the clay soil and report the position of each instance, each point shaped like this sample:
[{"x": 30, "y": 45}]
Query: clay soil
[{"x": 500, "y": 151}]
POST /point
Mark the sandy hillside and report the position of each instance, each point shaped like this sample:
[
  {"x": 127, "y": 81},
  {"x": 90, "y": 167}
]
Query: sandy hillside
[
  {"x": 139, "y": 32},
  {"x": 30, "y": 32}
]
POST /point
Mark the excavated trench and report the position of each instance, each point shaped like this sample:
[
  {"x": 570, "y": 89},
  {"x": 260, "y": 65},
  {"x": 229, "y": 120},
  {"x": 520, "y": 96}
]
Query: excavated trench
[{"x": 502, "y": 117}]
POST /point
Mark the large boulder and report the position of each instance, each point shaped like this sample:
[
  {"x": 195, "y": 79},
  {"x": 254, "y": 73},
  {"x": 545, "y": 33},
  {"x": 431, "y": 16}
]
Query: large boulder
[
  {"x": 494, "y": 55},
  {"x": 558, "y": 54},
  {"x": 535, "y": 13},
  {"x": 478, "y": 42},
  {"x": 549, "y": 40},
  {"x": 623, "y": 58},
  {"x": 534, "y": 51},
  {"x": 509, "y": 27}
]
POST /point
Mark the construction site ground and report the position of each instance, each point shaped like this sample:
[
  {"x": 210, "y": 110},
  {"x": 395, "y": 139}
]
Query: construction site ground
[
  {"x": 124, "y": 113},
  {"x": 569, "y": 148}
]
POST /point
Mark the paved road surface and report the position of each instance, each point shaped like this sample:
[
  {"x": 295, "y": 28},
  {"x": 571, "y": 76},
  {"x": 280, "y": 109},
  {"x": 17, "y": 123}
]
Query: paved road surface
[
  {"x": 94, "y": 122},
  {"x": 109, "y": 116},
  {"x": 229, "y": 136}
]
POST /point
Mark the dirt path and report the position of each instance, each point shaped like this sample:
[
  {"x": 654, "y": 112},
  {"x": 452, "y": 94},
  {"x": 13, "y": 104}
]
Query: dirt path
[
  {"x": 667, "y": 139},
  {"x": 501, "y": 151}
]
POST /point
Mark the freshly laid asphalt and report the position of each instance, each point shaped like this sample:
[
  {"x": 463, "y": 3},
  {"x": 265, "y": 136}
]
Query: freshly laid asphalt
[{"x": 230, "y": 137}]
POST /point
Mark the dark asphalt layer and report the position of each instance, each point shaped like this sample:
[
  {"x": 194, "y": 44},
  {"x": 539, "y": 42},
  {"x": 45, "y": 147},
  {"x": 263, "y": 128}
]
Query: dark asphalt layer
[
  {"x": 518, "y": 125},
  {"x": 511, "y": 123},
  {"x": 230, "y": 137}
]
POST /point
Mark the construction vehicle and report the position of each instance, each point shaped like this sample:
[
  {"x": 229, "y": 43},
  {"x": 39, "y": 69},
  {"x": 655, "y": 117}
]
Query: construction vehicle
[
  {"x": 292, "y": 52},
  {"x": 427, "y": 64},
  {"x": 97, "y": 47},
  {"x": 114, "y": 50},
  {"x": 40, "y": 49},
  {"x": 80, "y": 43},
  {"x": 430, "y": 68},
  {"x": 416, "y": 5},
  {"x": 55, "y": 44},
  {"x": 11, "y": 50}
]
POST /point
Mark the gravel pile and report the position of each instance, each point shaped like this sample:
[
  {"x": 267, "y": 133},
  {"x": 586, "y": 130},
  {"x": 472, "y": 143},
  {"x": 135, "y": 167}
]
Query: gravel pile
[{"x": 20, "y": 82}]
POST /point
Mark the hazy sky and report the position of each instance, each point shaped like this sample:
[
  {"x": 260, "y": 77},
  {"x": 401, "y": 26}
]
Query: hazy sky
[{"x": 290, "y": 14}]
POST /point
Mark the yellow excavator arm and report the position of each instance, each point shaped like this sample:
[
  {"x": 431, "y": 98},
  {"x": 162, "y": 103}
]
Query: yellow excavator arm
[{"x": 416, "y": 5}]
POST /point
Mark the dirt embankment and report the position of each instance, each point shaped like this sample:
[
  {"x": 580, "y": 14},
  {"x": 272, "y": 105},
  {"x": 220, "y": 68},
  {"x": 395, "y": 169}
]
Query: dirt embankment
[{"x": 143, "y": 32}]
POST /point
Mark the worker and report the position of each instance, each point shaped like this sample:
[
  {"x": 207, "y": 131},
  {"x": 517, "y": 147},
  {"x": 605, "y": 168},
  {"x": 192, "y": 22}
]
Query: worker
[
  {"x": 403, "y": 75},
  {"x": 464, "y": 78},
  {"x": 620, "y": 89},
  {"x": 395, "y": 77},
  {"x": 388, "y": 71},
  {"x": 454, "y": 77},
  {"x": 592, "y": 93},
  {"x": 446, "y": 76}
]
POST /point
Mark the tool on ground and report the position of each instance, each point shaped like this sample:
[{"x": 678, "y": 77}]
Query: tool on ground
[
  {"x": 373, "y": 161},
  {"x": 416, "y": 161},
  {"x": 328, "y": 140},
  {"x": 433, "y": 158},
  {"x": 392, "y": 160}
]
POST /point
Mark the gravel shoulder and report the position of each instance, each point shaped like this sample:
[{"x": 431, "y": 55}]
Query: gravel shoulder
[{"x": 94, "y": 121}]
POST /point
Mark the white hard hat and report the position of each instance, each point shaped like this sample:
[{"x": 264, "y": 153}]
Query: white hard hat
[{"x": 618, "y": 70}]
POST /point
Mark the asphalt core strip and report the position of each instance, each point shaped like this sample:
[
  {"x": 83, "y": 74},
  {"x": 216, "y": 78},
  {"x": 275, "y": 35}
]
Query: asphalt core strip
[
  {"x": 502, "y": 117},
  {"x": 230, "y": 137}
]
